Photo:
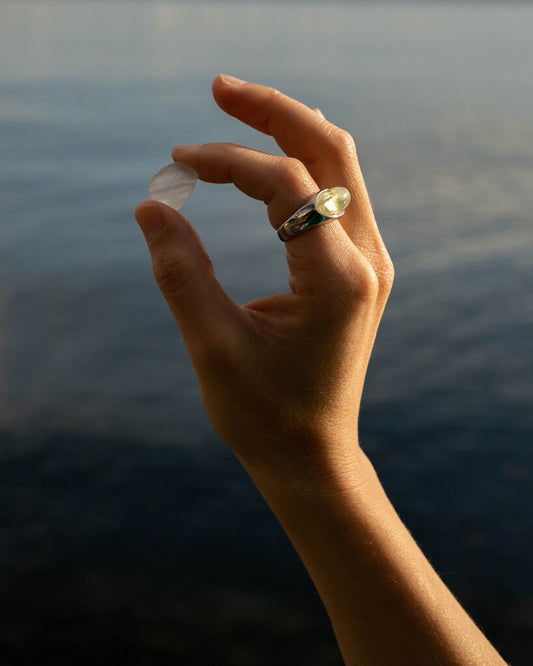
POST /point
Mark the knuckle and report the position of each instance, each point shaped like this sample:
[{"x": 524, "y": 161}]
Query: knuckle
[
  {"x": 384, "y": 269},
  {"x": 360, "y": 284},
  {"x": 226, "y": 146},
  {"x": 274, "y": 94},
  {"x": 292, "y": 172},
  {"x": 366, "y": 282},
  {"x": 342, "y": 143},
  {"x": 387, "y": 274}
]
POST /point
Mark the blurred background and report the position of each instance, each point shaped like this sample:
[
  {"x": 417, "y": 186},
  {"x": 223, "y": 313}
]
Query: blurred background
[{"x": 127, "y": 529}]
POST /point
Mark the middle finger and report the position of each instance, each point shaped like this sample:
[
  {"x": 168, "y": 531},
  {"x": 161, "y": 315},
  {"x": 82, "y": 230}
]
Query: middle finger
[{"x": 282, "y": 183}]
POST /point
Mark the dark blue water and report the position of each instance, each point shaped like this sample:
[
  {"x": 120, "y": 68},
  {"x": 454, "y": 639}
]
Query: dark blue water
[{"x": 126, "y": 527}]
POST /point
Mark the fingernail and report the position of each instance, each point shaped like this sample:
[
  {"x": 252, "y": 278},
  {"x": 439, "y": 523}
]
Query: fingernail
[
  {"x": 232, "y": 80},
  {"x": 181, "y": 149},
  {"x": 150, "y": 220}
]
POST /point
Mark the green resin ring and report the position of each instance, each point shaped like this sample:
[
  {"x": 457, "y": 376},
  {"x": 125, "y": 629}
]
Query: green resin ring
[{"x": 326, "y": 205}]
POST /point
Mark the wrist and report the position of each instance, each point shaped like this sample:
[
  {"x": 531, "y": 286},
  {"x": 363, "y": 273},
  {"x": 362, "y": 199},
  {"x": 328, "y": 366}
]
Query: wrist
[{"x": 317, "y": 469}]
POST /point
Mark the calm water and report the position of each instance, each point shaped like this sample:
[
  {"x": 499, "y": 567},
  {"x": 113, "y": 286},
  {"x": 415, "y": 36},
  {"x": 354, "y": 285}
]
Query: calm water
[{"x": 127, "y": 528}]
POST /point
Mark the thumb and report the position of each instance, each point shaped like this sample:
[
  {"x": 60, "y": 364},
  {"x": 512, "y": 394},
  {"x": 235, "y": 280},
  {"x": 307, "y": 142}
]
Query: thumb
[{"x": 185, "y": 275}]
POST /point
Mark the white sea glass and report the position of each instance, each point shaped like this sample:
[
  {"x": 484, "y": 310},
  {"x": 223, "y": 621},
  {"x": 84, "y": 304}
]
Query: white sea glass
[{"x": 173, "y": 185}]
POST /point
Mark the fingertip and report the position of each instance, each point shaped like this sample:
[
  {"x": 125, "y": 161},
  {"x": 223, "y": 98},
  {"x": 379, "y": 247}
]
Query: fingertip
[
  {"x": 155, "y": 216},
  {"x": 178, "y": 152},
  {"x": 220, "y": 88},
  {"x": 241, "y": 99},
  {"x": 144, "y": 208},
  {"x": 224, "y": 82},
  {"x": 150, "y": 218},
  {"x": 230, "y": 80},
  {"x": 142, "y": 205},
  {"x": 224, "y": 85},
  {"x": 218, "y": 82}
]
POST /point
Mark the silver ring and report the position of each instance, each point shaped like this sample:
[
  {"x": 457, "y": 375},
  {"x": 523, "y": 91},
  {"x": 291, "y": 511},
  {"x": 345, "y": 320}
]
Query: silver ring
[{"x": 324, "y": 206}]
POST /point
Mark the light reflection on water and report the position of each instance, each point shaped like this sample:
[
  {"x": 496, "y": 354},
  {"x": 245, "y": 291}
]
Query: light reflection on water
[
  {"x": 93, "y": 97},
  {"x": 92, "y": 107}
]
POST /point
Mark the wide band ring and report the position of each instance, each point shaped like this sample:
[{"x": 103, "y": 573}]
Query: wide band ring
[{"x": 324, "y": 206}]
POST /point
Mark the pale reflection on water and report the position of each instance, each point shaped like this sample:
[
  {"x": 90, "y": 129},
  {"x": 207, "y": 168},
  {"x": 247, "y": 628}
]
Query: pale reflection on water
[{"x": 92, "y": 98}]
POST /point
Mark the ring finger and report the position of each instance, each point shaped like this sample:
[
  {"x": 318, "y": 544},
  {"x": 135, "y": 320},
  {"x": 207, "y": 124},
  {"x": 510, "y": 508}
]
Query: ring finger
[{"x": 317, "y": 257}]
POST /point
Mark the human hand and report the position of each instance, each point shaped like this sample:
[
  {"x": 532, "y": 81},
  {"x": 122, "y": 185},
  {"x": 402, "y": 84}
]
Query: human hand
[{"x": 281, "y": 377}]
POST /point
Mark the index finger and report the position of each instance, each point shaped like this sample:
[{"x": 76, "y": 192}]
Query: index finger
[
  {"x": 299, "y": 130},
  {"x": 327, "y": 151}
]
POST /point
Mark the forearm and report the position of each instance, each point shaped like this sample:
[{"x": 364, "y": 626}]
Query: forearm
[{"x": 386, "y": 603}]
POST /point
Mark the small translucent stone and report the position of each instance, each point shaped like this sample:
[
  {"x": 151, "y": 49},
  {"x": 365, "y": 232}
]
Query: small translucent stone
[
  {"x": 173, "y": 185},
  {"x": 332, "y": 202}
]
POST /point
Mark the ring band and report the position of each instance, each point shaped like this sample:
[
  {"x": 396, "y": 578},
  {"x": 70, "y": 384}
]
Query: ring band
[{"x": 324, "y": 206}]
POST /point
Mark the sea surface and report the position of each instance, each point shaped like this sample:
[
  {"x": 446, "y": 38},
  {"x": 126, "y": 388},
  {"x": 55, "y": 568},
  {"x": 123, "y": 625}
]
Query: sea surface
[{"x": 127, "y": 529}]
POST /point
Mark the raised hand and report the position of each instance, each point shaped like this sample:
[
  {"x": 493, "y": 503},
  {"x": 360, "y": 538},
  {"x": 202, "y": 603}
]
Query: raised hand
[
  {"x": 281, "y": 379},
  {"x": 289, "y": 366}
]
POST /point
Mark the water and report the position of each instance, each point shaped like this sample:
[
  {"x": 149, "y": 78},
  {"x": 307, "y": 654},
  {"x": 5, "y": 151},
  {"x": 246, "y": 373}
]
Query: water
[{"x": 120, "y": 509}]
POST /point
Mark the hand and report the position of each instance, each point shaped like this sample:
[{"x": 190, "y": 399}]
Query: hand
[
  {"x": 281, "y": 379},
  {"x": 287, "y": 368}
]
